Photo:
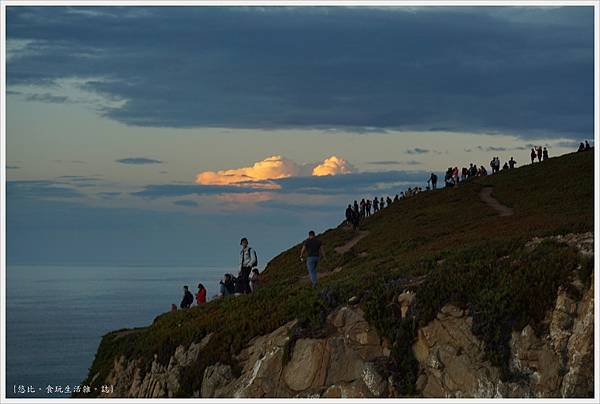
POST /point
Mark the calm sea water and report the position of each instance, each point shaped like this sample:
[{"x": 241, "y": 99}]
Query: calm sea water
[{"x": 56, "y": 315}]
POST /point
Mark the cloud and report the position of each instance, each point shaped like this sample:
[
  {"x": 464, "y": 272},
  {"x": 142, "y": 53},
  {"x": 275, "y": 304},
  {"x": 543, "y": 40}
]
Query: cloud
[
  {"x": 109, "y": 195},
  {"x": 417, "y": 150},
  {"x": 60, "y": 99},
  {"x": 138, "y": 161},
  {"x": 273, "y": 67},
  {"x": 39, "y": 189},
  {"x": 333, "y": 166},
  {"x": 353, "y": 183},
  {"x": 186, "y": 203},
  {"x": 262, "y": 173},
  {"x": 384, "y": 162}
]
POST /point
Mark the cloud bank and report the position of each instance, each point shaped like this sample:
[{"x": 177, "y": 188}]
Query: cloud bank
[
  {"x": 523, "y": 70},
  {"x": 273, "y": 168}
]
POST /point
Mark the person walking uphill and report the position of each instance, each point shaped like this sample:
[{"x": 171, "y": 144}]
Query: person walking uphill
[
  {"x": 248, "y": 260},
  {"x": 313, "y": 248},
  {"x": 188, "y": 298}
]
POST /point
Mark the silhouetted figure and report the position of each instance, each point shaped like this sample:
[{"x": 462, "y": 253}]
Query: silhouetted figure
[
  {"x": 356, "y": 209},
  {"x": 349, "y": 214},
  {"x": 188, "y": 298},
  {"x": 465, "y": 174},
  {"x": 227, "y": 286},
  {"x": 375, "y": 205},
  {"x": 533, "y": 154},
  {"x": 433, "y": 180},
  {"x": 381, "y": 203},
  {"x": 313, "y": 248},
  {"x": 587, "y": 146},
  {"x": 493, "y": 165},
  {"x": 388, "y": 200},
  {"x": 539, "y": 153},
  {"x": 363, "y": 208},
  {"x": 355, "y": 220},
  {"x": 472, "y": 170},
  {"x": 396, "y": 198},
  {"x": 545, "y": 154},
  {"x": 512, "y": 163},
  {"x": 248, "y": 260},
  {"x": 448, "y": 181},
  {"x": 201, "y": 294},
  {"x": 581, "y": 147},
  {"x": 505, "y": 166},
  {"x": 368, "y": 207},
  {"x": 482, "y": 171}
]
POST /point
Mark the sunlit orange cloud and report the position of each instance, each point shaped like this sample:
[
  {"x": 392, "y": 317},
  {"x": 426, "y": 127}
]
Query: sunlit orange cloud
[
  {"x": 272, "y": 168},
  {"x": 333, "y": 166}
]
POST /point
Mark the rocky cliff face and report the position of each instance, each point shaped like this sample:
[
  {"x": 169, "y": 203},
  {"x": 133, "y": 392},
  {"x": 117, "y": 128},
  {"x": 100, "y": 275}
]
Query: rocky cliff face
[{"x": 346, "y": 359}]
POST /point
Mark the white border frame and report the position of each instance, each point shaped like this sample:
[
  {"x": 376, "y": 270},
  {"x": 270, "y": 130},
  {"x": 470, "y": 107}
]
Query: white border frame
[{"x": 356, "y": 3}]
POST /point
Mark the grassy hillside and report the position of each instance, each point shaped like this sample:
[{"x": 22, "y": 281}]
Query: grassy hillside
[{"x": 450, "y": 237}]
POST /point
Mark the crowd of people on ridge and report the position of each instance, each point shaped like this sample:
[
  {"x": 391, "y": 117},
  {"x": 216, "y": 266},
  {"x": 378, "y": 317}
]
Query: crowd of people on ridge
[{"x": 248, "y": 278}]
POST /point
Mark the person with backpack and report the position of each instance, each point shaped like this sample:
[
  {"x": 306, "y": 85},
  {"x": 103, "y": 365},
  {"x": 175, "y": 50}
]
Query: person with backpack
[
  {"x": 188, "y": 298},
  {"x": 201, "y": 295},
  {"x": 313, "y": 249},
  {"x": 248, "y": 260}
]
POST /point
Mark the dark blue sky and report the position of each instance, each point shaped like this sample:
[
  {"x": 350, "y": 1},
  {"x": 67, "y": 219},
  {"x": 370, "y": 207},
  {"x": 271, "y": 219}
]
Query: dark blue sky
[{"x": 517, "y": 69}]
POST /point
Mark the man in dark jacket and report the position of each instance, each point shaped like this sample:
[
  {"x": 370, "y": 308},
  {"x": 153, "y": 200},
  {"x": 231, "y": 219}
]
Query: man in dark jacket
[{"x": 188, "y": 298}]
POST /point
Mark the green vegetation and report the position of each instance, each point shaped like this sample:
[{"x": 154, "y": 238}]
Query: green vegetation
[{"x": 470, "y": 256}]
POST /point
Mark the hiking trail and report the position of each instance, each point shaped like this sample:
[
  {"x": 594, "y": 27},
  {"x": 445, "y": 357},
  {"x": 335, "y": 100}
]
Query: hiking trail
[
  {"x": 346, "y": 247},
  {"x": 488, "y": 199}
]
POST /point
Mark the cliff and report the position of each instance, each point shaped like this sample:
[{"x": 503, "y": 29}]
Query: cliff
[{"x": 443, "y": 294}]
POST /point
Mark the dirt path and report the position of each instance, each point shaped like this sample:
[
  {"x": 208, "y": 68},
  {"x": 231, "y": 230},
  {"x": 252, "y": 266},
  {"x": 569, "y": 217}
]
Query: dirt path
[
  {"x": 346, "y": 247},
  {"x": 488, "y": 199}
]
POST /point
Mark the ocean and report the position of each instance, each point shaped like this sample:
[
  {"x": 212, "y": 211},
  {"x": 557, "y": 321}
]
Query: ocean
[{"x": 56, "y": 316}]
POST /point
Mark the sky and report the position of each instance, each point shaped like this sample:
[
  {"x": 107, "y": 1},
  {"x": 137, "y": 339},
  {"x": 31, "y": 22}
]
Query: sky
[{"x": 162, "y": 135}]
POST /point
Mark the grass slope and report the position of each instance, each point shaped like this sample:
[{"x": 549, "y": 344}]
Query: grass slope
[{"x": 450, "y": 235}]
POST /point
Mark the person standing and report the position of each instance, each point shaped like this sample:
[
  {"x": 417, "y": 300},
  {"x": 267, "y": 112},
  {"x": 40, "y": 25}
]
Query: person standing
[
  {"x": 539, "y": 153},
  {"x": 248, "y": 260},
  {"x": 313, "y": 249},
  {"x": 512, "y": 163},
  {"x": 188, "y": 298},
  {"x": 368, "y": 207},
  {"x": 349, "y": 214},
  {"x": 201, "y": 295},
  {"x": 375, "y": 205},
  {"x": 533, "y": 154},
  {"x": 226, "y": 286},
  {"x": 433, "y": 179},
  {"x": 363, "y": 208},
  {"x": 545, "y": 154}
]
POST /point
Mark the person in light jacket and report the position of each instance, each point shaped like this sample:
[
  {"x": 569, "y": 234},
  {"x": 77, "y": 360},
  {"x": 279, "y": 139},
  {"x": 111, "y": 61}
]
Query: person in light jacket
[{"x": 248, "y": 260}]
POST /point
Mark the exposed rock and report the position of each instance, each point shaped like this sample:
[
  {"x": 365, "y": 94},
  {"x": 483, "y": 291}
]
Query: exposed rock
[
  {"x": 406, "y": 300},
  {"x": 215, "y": 378},
  {"x": 338, "y": 365}
]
